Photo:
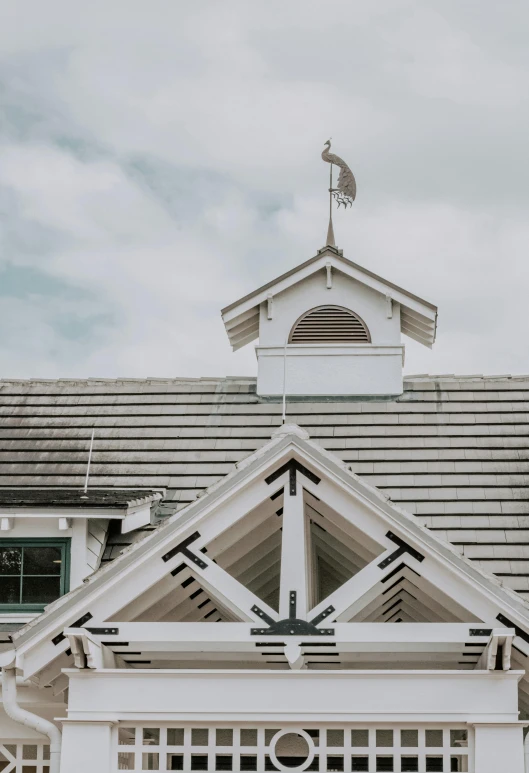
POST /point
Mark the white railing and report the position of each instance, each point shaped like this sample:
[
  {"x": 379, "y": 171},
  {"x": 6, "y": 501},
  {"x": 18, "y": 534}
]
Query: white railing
[
  {"x": 309, "y": 748},
  {"x": 26, "y": 757}
]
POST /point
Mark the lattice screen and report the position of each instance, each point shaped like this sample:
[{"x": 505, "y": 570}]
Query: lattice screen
[
  {"x": 24, "y": 758},
  {"x": 337, "y": 748}
]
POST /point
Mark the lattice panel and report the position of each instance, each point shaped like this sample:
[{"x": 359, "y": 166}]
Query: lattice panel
[
  {"x": 344, "y": 749},
  {"x": 24, "y": 757}
]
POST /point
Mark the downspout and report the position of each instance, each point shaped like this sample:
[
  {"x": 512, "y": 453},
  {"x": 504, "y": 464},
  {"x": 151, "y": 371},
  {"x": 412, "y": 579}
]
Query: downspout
[
  {"x": 526, "y": 752},
  {"x": 18, "y": 714}
]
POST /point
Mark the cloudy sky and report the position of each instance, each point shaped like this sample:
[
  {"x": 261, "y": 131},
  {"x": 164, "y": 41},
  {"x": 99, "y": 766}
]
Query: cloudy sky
[{"x": 160, "y": 159}]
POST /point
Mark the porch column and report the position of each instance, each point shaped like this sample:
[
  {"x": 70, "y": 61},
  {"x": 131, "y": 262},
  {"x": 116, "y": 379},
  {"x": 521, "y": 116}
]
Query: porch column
[
  {"x": 499, "y": 748},
  {"x": 86, "y": 747}
]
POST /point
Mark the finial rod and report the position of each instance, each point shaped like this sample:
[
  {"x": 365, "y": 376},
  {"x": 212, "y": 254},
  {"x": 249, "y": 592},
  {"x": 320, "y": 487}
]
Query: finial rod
[{"x": 330, "y": 231}]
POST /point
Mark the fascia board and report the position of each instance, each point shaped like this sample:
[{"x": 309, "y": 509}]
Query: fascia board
[
  {"x": 254, "y": 300},
  {"x": 276, "y": 286},
  {"x": 111, "y": 513}
]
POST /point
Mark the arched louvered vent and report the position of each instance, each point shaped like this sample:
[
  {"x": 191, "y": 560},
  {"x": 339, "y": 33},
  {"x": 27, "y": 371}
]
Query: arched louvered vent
[{"x": 330, "y": 325}]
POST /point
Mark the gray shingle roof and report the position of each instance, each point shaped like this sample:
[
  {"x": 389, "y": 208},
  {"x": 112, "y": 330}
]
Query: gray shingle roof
[
  {"x": 93, "y": 498},
  {"x": 453, "y": 450}
]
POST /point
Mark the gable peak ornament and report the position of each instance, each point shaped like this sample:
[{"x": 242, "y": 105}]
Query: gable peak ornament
[{"x": 344, "y": 193}]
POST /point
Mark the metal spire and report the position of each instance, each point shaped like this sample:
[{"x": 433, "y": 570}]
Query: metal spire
[{"x": 330, "y": 230}]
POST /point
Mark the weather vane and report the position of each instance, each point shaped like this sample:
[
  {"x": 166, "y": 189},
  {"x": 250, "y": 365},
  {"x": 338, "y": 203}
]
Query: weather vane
[{"x": 345, "y": 193}]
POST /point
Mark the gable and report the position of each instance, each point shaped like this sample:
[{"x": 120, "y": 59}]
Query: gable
[
  {"x": 312, "y": 292},
  {"x": 291, "y": 546},
  {"x": 418, "y": 317}
]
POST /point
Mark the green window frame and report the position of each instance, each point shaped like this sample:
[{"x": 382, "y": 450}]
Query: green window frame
[{"x": 32, "y": 576}]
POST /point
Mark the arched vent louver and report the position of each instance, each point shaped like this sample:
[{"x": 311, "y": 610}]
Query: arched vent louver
[{"x": 330, "y": 325}]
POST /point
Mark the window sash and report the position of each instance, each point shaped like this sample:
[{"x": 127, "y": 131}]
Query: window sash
[{"x": 64, "y": 583}]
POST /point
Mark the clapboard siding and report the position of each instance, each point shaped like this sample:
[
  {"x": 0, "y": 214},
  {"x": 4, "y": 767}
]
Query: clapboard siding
[{"x": 453, "y": 451}]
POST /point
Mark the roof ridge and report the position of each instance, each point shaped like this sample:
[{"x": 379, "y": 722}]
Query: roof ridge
[{"x": 415, "y": 377}]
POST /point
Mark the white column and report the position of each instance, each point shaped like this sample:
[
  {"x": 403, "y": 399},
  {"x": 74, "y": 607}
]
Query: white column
[
  {"x": 86, "y": 747},
  {"x": 499, "y": 748},
  {"x": 294, "y": 564},
  {"x": 79, "y": 568}
]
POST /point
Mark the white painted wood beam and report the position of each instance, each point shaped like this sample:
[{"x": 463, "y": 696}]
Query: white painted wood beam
[
  {"x": 295, "y": 565},
  {"x": 356, "y": 592},
  {"x": 245, "y": 527},
  {"x": 229, "y": 592},
  {"x": 343, "y": 528},
  {"x": 349, "y": 637}
]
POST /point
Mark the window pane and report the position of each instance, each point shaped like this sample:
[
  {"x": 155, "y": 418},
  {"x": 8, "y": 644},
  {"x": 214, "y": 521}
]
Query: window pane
[
  {"x": 248, "y": 761},
  {"x": 175, "y": 761},
  {"x": 384, "y": 763},
  {"x": 126, "y": 761},
  {"x": 334, "y": 762},
  {"x": 126, "y": 736},
  {"x": 434, "y": 738},
  {"x": 42, "y": 560},
  {"x": 199, "y": 736},
  {"x": 434, "y": 764},
  {"x": 10, "y": 560},
  {"x": 360, "y": 763},
  {"x": 10, "y": 590},
  {"x": 29, "y": 752},
  {"x": 150, "y": 761},
  {"x": 359, "y": 737},
  {"x": 409, "y": 738},
  {"x": 384, "y": 737},
  {"x": 409, "y": 764},
  {"x": 175, "y": 737},
  {"x": 223, "y": 762},
  {"x": 40, "y": 590},
  {"x": 458, "y": 738},
  {"x": 151, "y": 736},
  {"x": 224, "y": 737},
  {"x": 334, "y": 737},
  {"x": 249, "y": 738}
]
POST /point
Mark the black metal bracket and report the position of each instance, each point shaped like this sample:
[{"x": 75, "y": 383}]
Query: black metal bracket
[
  {"x": 183, "y": 548},
  {"x": 104, "y": 631},
  {"x": 292, "y": 467},
  {"x": 78, "y": 624},
  {"x": 480, "y": 632},
  {"x": 403, "y": 547},
  {"x": 292, "y": 626},
  {"x": 326, "y": 612},
  {"x": 508, "y": 624}
]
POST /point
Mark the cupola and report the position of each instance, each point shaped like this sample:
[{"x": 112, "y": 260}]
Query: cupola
[{"x": 328, "y": 328}]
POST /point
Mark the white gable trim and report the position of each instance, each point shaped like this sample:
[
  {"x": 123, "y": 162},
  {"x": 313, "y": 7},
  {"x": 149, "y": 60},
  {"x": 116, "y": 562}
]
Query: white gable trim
[
  {"x": 418, "y": 317},
  {"x": 243, "y": 489}
]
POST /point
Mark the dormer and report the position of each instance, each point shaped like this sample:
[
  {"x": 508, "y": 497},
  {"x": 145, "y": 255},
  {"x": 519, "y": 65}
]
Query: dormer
[{"x": 329, "y": 327}]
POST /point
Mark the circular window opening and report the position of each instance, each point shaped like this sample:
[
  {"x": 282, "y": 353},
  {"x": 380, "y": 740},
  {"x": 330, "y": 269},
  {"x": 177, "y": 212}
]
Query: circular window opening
[{"x": 292, "y": 750}]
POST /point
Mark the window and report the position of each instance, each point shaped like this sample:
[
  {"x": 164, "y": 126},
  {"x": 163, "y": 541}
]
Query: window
[
  {"x": 329, "y": 325},
  {"x": 33, "y": 572}
]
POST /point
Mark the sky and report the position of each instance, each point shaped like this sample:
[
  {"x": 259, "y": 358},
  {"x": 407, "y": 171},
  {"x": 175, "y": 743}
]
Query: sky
[{"x": 158, "y": 160}]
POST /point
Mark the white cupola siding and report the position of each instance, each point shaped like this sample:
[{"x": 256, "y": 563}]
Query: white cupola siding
[{"x": 348, "y": 342}]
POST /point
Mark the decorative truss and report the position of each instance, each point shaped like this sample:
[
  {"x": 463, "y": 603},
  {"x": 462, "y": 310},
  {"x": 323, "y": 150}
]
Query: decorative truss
[{"x": 290, "y": 563}]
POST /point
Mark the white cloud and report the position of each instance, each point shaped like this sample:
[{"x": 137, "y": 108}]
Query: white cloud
[{"x": 164, "y": 158}]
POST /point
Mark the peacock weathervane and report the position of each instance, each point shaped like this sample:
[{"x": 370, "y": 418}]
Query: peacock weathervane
[{"x": 345, "y": 193}]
